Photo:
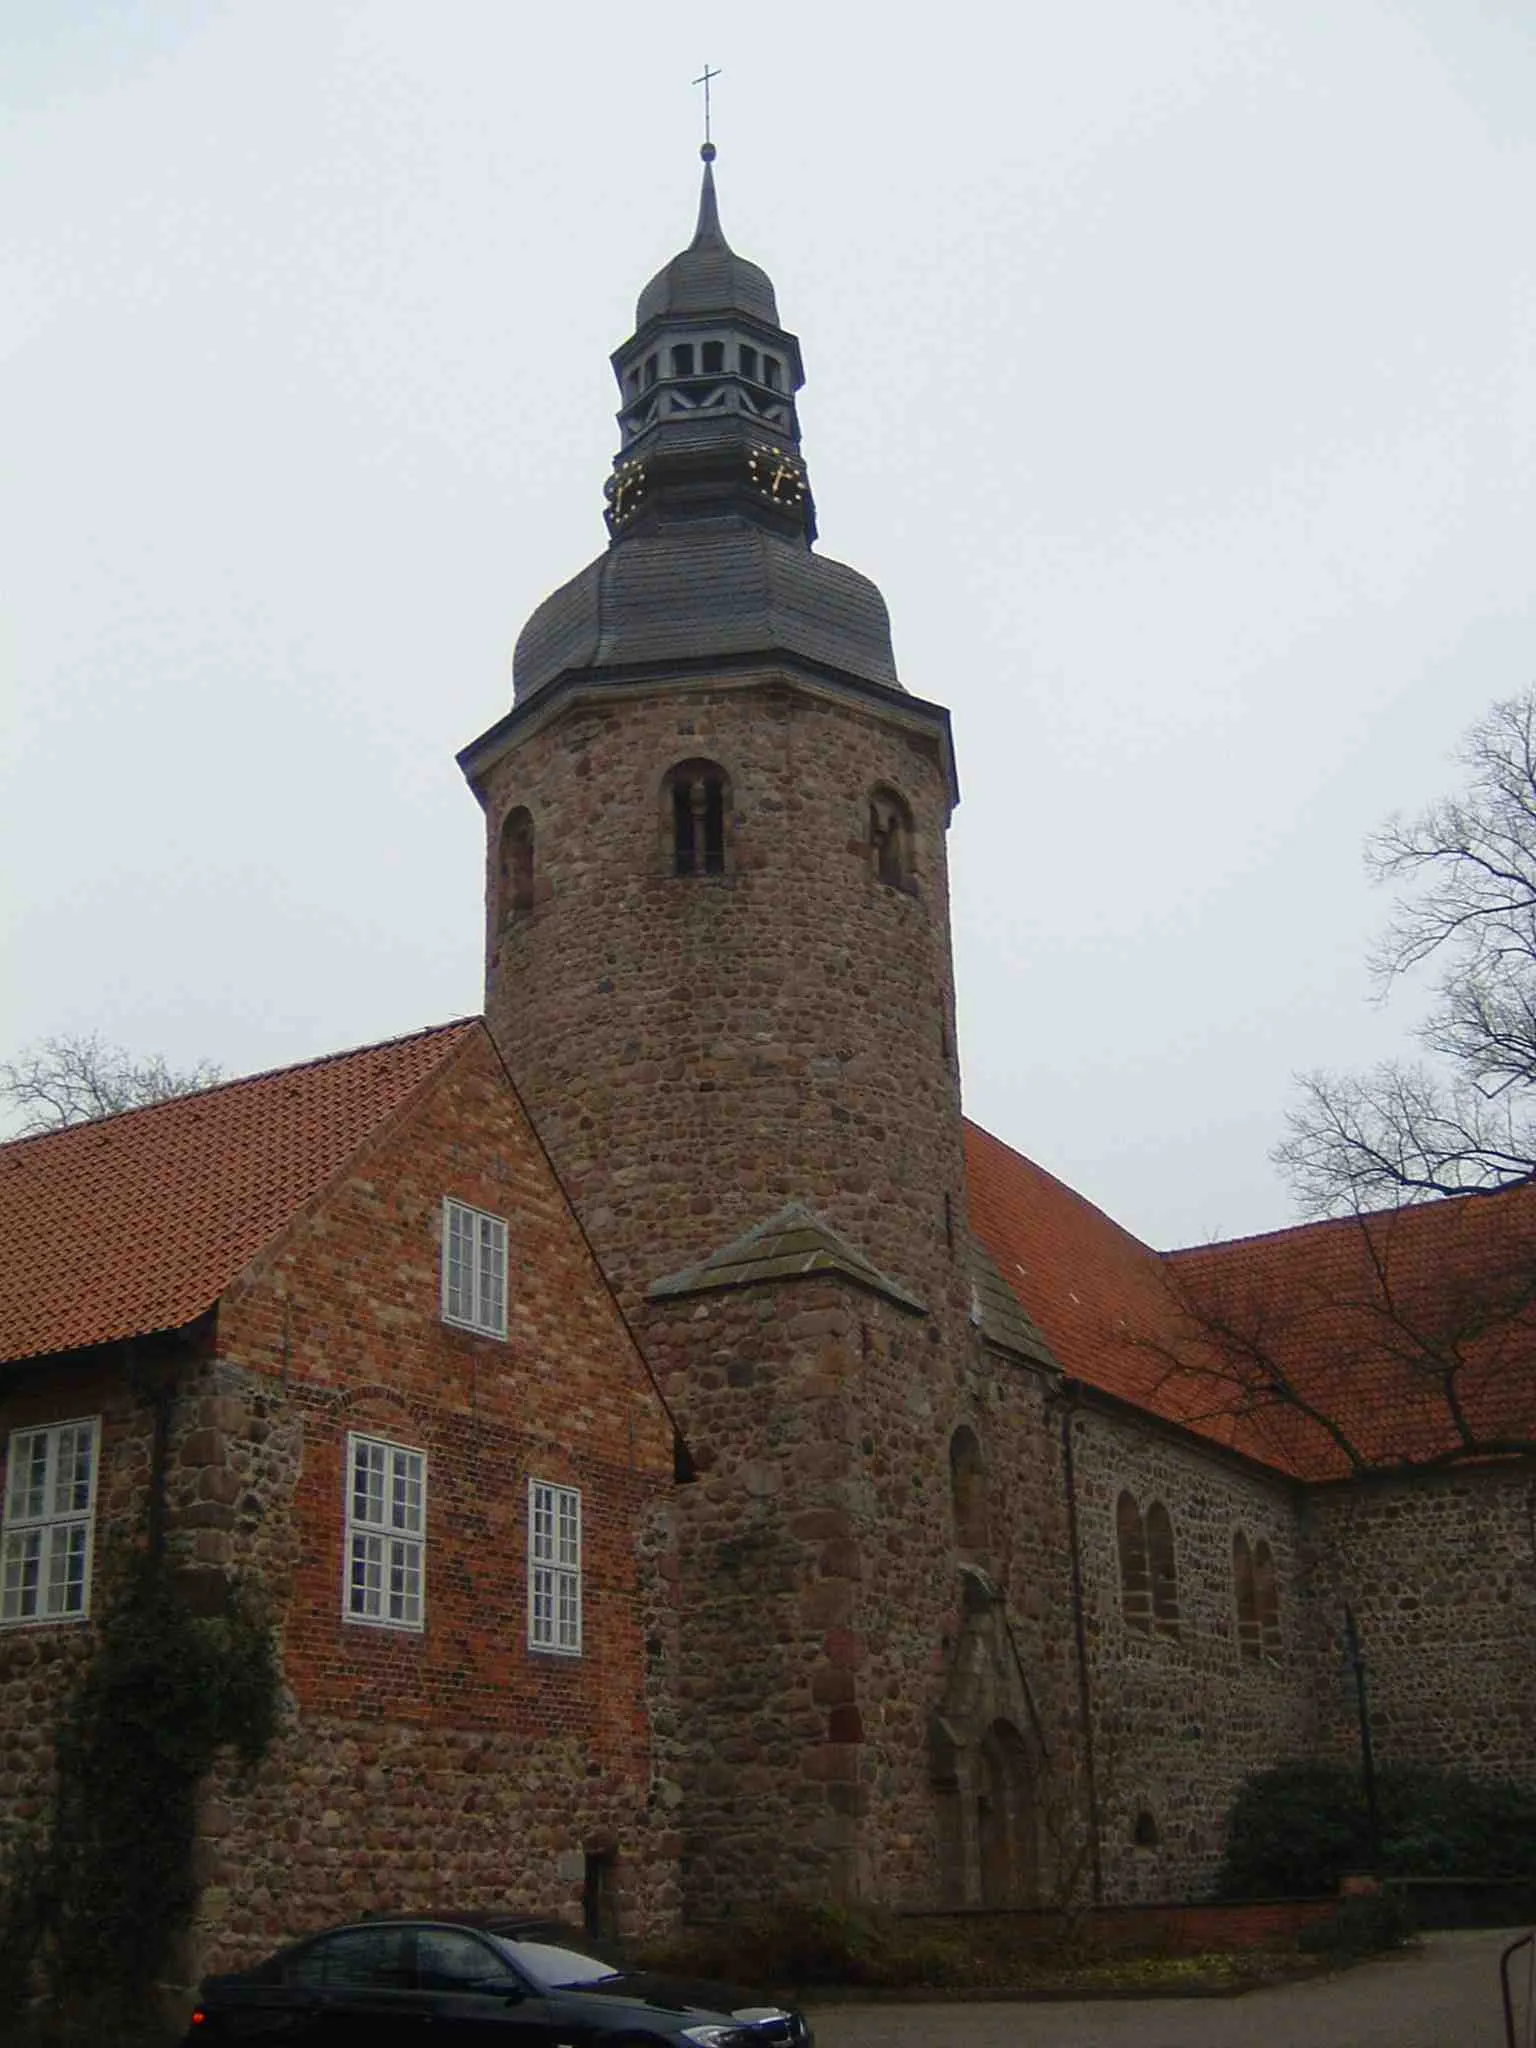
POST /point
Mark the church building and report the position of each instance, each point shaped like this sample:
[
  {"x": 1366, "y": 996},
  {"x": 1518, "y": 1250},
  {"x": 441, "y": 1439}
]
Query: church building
[{"x": 690, "y": 1466}]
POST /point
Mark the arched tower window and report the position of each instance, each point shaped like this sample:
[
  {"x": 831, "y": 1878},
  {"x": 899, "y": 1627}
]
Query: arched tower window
[
  {"x": 516, "y": 864},
  {"x": 890, "y": 838},
  {"x": 1267, "y": 1601},
  {"x": 968, "y": 1489},
  {"x": 1165, "y": 1578},
  {"x": 1245, "y": 1596},
  {"x": 698, "y": 802},
  {"x": 1135, "y": 1577}
]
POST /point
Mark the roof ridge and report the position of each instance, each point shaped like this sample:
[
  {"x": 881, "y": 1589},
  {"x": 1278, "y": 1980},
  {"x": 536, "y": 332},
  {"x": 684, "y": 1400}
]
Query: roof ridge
[
  {"x": 1316, "y": 1226},
  {"x": 168, "y": 1102}
]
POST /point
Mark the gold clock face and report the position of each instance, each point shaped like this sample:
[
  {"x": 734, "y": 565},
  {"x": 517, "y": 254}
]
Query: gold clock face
[
  {"x": 777, "y": 474},
  {"x": 624, "y": 490}
]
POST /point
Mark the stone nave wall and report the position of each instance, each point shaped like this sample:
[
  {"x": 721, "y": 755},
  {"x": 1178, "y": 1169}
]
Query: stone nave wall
[
  {"x": 1181, "y": 1716},
  {"x": 1440, "y": 1570}
]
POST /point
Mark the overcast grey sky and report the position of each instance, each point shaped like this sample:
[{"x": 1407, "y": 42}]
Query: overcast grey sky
[{"x": 1171, "y": 365}]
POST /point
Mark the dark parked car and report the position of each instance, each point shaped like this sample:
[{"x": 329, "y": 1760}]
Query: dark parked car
[{"x": 486, "y": 1978}]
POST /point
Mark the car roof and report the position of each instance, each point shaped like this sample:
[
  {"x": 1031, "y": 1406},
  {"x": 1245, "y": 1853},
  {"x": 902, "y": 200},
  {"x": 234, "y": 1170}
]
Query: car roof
[{"x": 492, "y": 1919}]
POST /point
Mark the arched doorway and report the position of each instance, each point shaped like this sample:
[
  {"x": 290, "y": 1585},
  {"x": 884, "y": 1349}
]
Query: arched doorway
[{"x": 1007, "y": 1824}]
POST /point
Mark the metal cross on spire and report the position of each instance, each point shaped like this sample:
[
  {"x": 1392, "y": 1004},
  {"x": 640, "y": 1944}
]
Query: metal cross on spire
[{"x": 704, "y": 79}]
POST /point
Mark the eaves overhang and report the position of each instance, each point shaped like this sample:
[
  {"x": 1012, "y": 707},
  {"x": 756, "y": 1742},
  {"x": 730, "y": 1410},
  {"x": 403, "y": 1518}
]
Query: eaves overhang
[
  {"x": 1119, "y": 1408},
  {"x": 769, "y": 666}
]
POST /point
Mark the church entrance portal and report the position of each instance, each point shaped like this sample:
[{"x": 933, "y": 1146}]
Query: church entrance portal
[
  {"x": 1007, "y": 1826},
  {"x": 985, "y": 1768}
]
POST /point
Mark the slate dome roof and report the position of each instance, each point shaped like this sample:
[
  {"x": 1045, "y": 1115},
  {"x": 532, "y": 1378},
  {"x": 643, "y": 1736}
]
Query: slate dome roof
[{"x": 714, "y": 588}]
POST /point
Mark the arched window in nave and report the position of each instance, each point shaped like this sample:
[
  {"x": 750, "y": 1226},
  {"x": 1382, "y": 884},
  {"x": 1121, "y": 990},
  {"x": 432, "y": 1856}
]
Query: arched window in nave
[{"x": 1135, "y": 1578}]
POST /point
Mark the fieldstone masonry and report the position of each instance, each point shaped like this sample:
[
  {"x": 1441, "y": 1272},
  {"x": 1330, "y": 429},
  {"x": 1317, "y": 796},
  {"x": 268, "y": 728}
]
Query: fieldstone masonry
[
  {"x": 697, "y": 1050},
  {"x": 1440, "y": 1570},
  {"x": 1181, "y": 1718}
]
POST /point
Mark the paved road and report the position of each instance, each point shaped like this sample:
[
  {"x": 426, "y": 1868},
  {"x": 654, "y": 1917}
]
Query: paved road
[{"x": 1445, "y": 1995}]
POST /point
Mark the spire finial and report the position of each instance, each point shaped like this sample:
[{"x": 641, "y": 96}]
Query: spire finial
[
  {"x": 708, "y": 228},
  {"x": 708, "y": 151}
]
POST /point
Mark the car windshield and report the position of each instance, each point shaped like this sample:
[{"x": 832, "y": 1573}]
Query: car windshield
[{"x": 554, "y": 1965}]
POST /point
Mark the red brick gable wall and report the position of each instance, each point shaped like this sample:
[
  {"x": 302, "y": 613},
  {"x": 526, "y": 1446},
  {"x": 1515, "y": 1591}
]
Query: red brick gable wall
[
  {"x": 413, "y": 1767},
  {"x": 345, "y": 1314},
  {"x": 453, "y": 1761}
]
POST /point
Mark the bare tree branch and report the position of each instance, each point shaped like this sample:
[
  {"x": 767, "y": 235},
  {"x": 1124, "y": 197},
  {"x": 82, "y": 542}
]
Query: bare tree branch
[
  {"x": 77, "y": 1078},
  {"x": 1465, "y": 1122}
]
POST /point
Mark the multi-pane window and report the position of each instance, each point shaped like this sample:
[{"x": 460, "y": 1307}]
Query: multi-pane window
[
  {"x": 474, "y": 1269},
  {"x": 386, "y": 1533},
  {"x": 45, "y": 1557},
  {"x": 554, "y": 1568}
]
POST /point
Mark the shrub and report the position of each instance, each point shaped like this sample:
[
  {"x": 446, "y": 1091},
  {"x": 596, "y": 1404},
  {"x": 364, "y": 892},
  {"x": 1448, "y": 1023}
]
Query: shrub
[
  {"x": 803, "y": 1945},
  {"x": 1294, "y": 1831},
  {"x": 1362, "y": 1926}
]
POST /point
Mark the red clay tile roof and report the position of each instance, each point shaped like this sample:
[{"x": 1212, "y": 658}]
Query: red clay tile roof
[
  {"x": 139, "y": 1222},
  {"x": 1348, "y": 1310},
  {"x": 1375, "y": 1318},
  {"x": 1096, "y": 1292}
]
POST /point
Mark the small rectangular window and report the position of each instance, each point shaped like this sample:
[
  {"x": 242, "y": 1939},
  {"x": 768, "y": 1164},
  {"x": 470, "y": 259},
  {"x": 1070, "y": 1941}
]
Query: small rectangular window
[
  {"x": 771, "y": 372},
  {"x": 386, "y": 1528},
  {"x": 554, "y": 1568},
  {"x": 748, "y": 361},
  {"x": 712, "y": 357},
  {"x": 474, "y": 1269},
  {"x": 50, "y": 1497},
  {"x": 682, "y": 359},
  {"x": 650, "y": 372}
]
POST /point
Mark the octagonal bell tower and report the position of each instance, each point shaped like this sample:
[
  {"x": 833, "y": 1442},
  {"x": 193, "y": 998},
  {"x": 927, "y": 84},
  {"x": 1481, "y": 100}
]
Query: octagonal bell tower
[
  {"x": 718, "y": 966},
  {"x": 717, "y": 947}
]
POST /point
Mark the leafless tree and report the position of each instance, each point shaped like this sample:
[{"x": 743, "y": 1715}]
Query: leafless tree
[
  {"x": 1464, "y": 1120},
  {"x": 77, "y": 1078}
]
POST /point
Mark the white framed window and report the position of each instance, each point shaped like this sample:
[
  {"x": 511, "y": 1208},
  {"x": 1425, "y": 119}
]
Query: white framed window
[
  {"x": 554, "y": 1568},
  {"x": 386, "y": 1511},
  {"x": 474, "y": 1269},
  {"x": 50, "y": 1498}
]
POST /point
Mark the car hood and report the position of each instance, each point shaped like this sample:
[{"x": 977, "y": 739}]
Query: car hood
[{"x": 694, "y": 1997}]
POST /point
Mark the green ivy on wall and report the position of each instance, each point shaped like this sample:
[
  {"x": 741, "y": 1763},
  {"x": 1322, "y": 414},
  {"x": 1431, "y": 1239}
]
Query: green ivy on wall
[{"x": 101, "y": 1903}]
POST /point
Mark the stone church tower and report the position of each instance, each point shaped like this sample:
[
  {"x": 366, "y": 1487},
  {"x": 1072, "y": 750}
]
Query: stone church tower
[{"x": 718, "y": 966}]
